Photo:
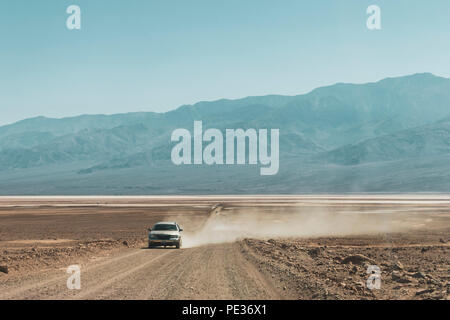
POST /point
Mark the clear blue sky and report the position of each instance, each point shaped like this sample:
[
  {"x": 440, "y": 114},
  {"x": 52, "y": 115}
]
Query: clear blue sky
[{"x": 148, "y": 55}]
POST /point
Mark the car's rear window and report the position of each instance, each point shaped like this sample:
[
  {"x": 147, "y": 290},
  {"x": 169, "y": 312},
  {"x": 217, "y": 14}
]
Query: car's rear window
[{"x": 165, "y": 227}]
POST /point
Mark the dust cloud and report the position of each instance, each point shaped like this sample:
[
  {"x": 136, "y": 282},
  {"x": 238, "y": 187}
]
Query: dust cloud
[{"x": 235, "y": 224}]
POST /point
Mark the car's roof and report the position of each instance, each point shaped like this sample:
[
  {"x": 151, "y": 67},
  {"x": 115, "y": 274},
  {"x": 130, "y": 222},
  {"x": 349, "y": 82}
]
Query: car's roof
[{"x": 166, "y": 222}]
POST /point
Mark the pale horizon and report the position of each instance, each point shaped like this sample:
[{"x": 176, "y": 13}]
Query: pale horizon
[{"x": 217, "y": 99}]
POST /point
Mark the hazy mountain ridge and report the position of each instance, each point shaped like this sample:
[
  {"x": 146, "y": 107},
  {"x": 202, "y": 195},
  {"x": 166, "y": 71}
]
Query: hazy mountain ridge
[
  {"x": 424, "y": 141},
  {"x": 340, "y": 125}
]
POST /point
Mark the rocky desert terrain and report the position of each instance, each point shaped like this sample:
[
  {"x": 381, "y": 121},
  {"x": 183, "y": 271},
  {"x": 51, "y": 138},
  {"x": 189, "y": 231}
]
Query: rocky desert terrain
[{"x": 255, "y": 247}]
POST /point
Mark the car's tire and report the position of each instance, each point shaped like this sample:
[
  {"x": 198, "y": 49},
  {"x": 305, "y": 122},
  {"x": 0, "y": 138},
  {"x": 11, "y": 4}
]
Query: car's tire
[{"x": 178, "y": 244}]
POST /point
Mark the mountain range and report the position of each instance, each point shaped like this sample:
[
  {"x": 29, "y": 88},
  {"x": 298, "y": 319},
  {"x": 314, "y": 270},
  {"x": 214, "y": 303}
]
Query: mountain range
[{"x": 389, "y": 136}]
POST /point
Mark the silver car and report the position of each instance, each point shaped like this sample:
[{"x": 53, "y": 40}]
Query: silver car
[{"x": 165, "y": 234}]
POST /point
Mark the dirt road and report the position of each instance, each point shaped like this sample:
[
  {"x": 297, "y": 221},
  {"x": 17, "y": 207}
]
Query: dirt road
[
  {"x": 210, "y": 272},
  {"x": 234, "y": 247}
]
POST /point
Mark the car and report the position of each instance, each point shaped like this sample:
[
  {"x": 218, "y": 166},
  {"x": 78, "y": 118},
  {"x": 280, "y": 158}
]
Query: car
[{"x": 165, "y": 234}]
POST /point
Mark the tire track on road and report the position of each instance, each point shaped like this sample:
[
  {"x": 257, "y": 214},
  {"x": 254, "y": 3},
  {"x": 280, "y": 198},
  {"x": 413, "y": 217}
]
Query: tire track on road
[
  {"x": 31, "y": 288},
  {"x": 218, "y": 271},
  {"x": 116, "y": 276}
]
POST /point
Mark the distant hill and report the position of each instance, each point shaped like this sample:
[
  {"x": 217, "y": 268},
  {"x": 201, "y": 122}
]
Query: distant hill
[
  {"x": 333, "y": 139},
  {"x": 419, "y": 142}
]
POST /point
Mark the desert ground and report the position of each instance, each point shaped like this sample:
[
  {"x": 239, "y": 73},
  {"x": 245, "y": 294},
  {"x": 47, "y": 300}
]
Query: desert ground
[{"x": 234, "y": 247}]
